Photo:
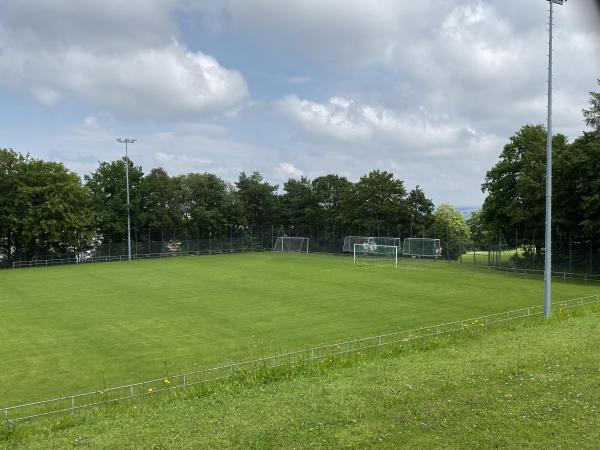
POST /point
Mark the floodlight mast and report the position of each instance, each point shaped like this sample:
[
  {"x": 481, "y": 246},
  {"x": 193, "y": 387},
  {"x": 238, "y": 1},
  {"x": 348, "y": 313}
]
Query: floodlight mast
[
  {"x": 548, "y": 231},
  {"x": 127, "y": 141}
]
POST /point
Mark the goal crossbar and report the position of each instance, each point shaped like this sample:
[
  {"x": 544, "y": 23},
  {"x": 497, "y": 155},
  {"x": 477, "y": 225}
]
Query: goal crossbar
[
  {"x": 291, "y": 244},
  {"x": 349, "y": 241},
  {"x": 375, "y": 255}
]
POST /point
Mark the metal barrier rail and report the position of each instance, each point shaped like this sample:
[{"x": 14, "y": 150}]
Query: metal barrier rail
[
  {"x": 540, "y": 272},
  {"x": 99, "y": 259},
  {"x": 73, "y": 403}
]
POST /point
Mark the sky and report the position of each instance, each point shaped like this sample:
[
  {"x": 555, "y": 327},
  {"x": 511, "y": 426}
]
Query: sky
[{"x": 429, "y": 90}]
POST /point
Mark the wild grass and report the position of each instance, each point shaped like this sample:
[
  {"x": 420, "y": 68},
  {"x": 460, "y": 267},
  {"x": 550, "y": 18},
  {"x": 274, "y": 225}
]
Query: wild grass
[{"x": 533, "y": 384}]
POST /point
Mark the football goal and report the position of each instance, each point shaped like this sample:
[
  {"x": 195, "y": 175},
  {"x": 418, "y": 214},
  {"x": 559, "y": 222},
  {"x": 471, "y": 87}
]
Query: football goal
[
  {"x": 291, "y": 244},
  {"x": 375, "y": 255},
  {"x": 350, "y": 241},
  {"x": 422, "y": 247}
]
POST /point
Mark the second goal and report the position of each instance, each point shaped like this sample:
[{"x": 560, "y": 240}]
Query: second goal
[
  {"x": 375, "y": 255},
  {"x": 291, "y": 244}
]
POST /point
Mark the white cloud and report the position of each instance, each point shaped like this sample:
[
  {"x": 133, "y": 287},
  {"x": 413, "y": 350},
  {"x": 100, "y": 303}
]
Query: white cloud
[
  {"x": 288, "y": 170},
  {"x": 346, "y": 120},
  {"x": 467, "y": 58},
  {"x": 146, "y": 76}
]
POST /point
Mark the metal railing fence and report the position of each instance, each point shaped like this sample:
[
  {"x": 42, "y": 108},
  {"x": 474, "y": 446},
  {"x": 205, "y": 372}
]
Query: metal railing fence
[
  {"x": 73, "y": 403},
  {"x": 516, "y": 251},
  {"x": 540, "y": 272},
  {"x": 101, "y": 259}
]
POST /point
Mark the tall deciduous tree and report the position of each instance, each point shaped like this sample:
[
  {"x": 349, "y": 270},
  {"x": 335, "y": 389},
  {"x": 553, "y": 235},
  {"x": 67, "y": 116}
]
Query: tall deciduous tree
[
  {"x": 577, "y": 195},
  {"x": 208, "y": 203},
  {"x": 53, "y": 209},
  {"x": 420, "y": 209},
  {"x": 592, "y": 115},
  {"x": 161, "y": 202},
  {"x": 109, "y": 201},
  {"x": 299, "y": 203},
  {"x": 515, "y": 186},
  {"x": 257, "y": 200},
  {"x": 452, "y": 230},
  {"x": 377, "y": 202},
  {"x": 10, "y": 163},
  {"x": 329, "y": 191}
]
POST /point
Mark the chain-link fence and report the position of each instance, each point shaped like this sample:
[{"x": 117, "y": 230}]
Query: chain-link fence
[{"x": 521, "y": 251}]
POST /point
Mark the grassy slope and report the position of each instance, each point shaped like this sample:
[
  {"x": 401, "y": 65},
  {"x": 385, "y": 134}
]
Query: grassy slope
[
  {"x": 72, "y": 328},
  {"x": 534, "y": 385}
]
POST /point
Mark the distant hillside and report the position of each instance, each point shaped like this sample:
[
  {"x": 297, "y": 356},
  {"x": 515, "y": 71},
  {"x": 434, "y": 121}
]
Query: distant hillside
[{"x": 467, "y": 211}]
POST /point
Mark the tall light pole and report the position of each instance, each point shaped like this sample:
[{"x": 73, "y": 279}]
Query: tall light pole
[
  {"x": 548, "y": 237},
  {"x": 127, "y": 141}
]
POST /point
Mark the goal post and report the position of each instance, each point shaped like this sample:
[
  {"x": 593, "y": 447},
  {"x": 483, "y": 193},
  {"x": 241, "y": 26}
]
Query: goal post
[
  {"x": 422, "y": 247},
  {"x": 291, "y": 244},
  {"x": 375, "y": 255},
  {"x": 350, "y": 241}
]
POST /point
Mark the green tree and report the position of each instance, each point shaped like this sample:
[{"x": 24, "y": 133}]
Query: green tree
[
  {"x": 53, "y": 209},
  {"x": 329, "y": 191},
  {"x": 257, "y": 200},
  {"x": 592, "y": 115},
  {"x": 109, "y": 200},
  {"x": 376, "y": 202},
  {"x": 480, "y": 234},
  {"x": 10, "y": 163},
  {"x": 420, "y": 209},
  {"x": 162, "y": 207},
  {"x": 452, "y": 230},
  {"x": 208, "y": 203},
  {"x": 299, "y": 203},
  {"x": 577, "y": 196},
  {"x": 515, "y": 186}
]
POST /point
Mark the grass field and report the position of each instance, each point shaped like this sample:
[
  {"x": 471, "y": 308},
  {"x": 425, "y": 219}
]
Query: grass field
[
  {"x": 533, "y": 385},
  {"x": 72, "y": 328},
  {"x": 482, "y": 257}
]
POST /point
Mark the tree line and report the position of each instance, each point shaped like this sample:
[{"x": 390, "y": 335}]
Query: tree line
[
  {"x": 45, "y": 209},
  {"x": 48, "y": 210},
  {"x": 515, "y": 186}
]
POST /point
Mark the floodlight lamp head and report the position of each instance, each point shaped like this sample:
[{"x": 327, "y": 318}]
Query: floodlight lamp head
[{"x": 558, "y": 2}]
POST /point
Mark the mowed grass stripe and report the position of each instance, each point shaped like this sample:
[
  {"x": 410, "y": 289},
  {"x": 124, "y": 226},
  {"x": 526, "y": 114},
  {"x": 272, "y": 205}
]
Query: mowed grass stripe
[{"x": 72, "y": 328}]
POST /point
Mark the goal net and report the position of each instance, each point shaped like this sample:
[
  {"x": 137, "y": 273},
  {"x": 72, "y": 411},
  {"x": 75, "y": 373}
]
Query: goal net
[
  {"x": 375, "y": 255},
  {"x": 350, "y": 241},
  {"x": 422, "y": 247},
  {"x": 291, "y": 244}
]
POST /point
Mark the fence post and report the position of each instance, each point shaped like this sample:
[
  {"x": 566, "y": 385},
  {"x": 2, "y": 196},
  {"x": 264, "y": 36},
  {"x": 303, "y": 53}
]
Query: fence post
[
  {"x": 131, "y": 390},
  {"x": 184, "y": 380},
  {"x": 379, "y": 341},
  {"x": 73, "y": 405}
]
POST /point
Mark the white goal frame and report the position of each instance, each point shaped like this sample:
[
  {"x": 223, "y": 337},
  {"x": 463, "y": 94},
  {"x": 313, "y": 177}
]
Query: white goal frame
[
  {"x": 415, "y": 243},
  {"x": 350, "y": 241},
  {"x": 291, "y": 244},
  {"x": 379, "y": 261}
]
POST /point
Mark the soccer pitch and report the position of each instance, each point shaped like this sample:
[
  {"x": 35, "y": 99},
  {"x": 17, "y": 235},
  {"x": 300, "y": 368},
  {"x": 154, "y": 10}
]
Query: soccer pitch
[{"x": 78, "y": 328}]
